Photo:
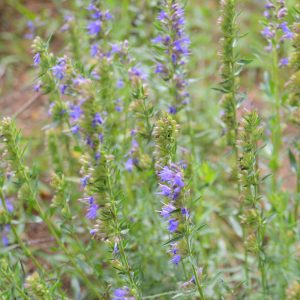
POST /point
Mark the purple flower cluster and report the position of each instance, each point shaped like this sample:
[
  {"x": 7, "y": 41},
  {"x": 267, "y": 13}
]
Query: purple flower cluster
[
  {"x": 174, "y": 43},
  {"x": 59, "y": 70},
  {"x": 97, "y": 18},
  {"x": 92, "y": 209},
  {"x": 171, "y": 185},
  {"x": 276, "y": 30}
]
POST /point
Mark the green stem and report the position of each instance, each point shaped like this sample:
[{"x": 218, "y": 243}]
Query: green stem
[
  {"x": 26, "y": 250},
  {"x": 276, "y": 128},
  {"x": 119, "y": 236},
  {"x": 196, "y": 276}
]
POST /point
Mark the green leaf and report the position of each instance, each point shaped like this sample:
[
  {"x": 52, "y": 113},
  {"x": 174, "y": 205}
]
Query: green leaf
[
  {"x": 175, "y": 239},
  {"x": 293, "y": 161}
]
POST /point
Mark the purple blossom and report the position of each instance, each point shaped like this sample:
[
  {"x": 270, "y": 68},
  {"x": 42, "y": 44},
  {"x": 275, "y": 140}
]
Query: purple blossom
[
  {"x": 63, "y": 88},
  {"x": 173, "y": 225},
  {"x": 84, "y": 181},
  {"x": 176, "y": 259},
  {"x": 108, "y": 15},
  {"x": 162, "y": 16},
  {"x": 284, "y": 62},
  {"x": 288, "y": 34},
  {"x": 167, "y": 210},
  {"x": 268, "y": 33},
  {"x": 92, "y": 211},
  {"x": 120, "y": 84},
  {"x": 94, "y": 50},
  {"x": 185, "y": 212},
  {"x": 129, "y": 164},
  {"x": 116, "y": 249},
  {"x": 165, "y": 190},
  {"x": 75, "y": 129},
  {"x": 37, "y": 87},
  {"x": 75, "y": 112},
  {"x": 97, "y": 120},
  {"x": 5, "y": 240},
  {"x": 166, "y": 174},
  {"x": 37, "y": 59},
  {"x": 94, "y": 27},
  {"x": 59, "y": 69},
  {"x": 158, "y": 39},
  {"x": 172, "y": 110},
  {"x": 121, "y": 294}
]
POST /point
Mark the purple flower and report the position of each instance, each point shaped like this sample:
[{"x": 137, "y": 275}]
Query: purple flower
[
  {"x": 282, "y": 13},
  {"x": 129, "y": 165},
  {"x": 185, "y": 212},
  {"x": 84, "y": 181},
  {"x": 116, "y": 249},
  {"x": 166, "y": 174},
  {"x": 284, "y": 62},
  {"x": 178, "y": 180},
  {"x": 120, "y": 84},
  {"x": 115, "y": 48},
  {"x": 37, "y": 87},
  {"x": 158, "y": 39},
  {"x": 59, "y": 69},
  {"x": 162, "y": 16},
  {"x": 94, "y": 50},
  {"x": 172, "y": 110},
  {"x": 5, "y": 240},
  {"x": 75, "y": 129},
  {"x": 121, "y": 294},
  {"x": 94, "y": 27},
  {"x": 268, "y": 33},
  {"x": 97, "y": 120},
  {"x": 92, "y": 211},
  {"x": 108, "y": 15},
  {"x": 63, "y": 88},
  {"x": 165, "y": 190},
  {"x": 167, "y": 210},
  {"x": 37, "y": 59},
  {"x": 75, "y": 112},
  {"x": 176, "y": 259},
  {"x": 173, "y": 225},
  {"x": 288, "y": 34}
]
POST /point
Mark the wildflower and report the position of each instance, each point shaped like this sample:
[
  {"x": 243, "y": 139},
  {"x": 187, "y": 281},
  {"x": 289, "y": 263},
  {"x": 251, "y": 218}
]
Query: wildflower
[
  {"x": 173, "y": 225},
  {"x": 121, "y": 294},
  {"x": 59, "y": 69},
  {"x": 174, "y": 45},
  {"x": 268, "y": 33},
  {"x": 120, "y": 84},
  {"x": 92, "y": 211},
  {"x": 176, "y": 259},
  {"x": 84, "y": 181},
  {"x": 97, "y": 120},
  {"x": 284, "y": 62},
  {"x": 165, "y": 190},
  {"x": 167, "y": 210},
  {"x": 94, "y": 50},
  {"x": 63, "y": 88},
  {"x": 75, "y": 112},
  {"x": 37, "y": 59},
  {"x": 287, "y": 33},
  {"x": 37, "y": 87},
  {"x": 129, "y": 165},
  {"x": 94, "y": 27}
]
